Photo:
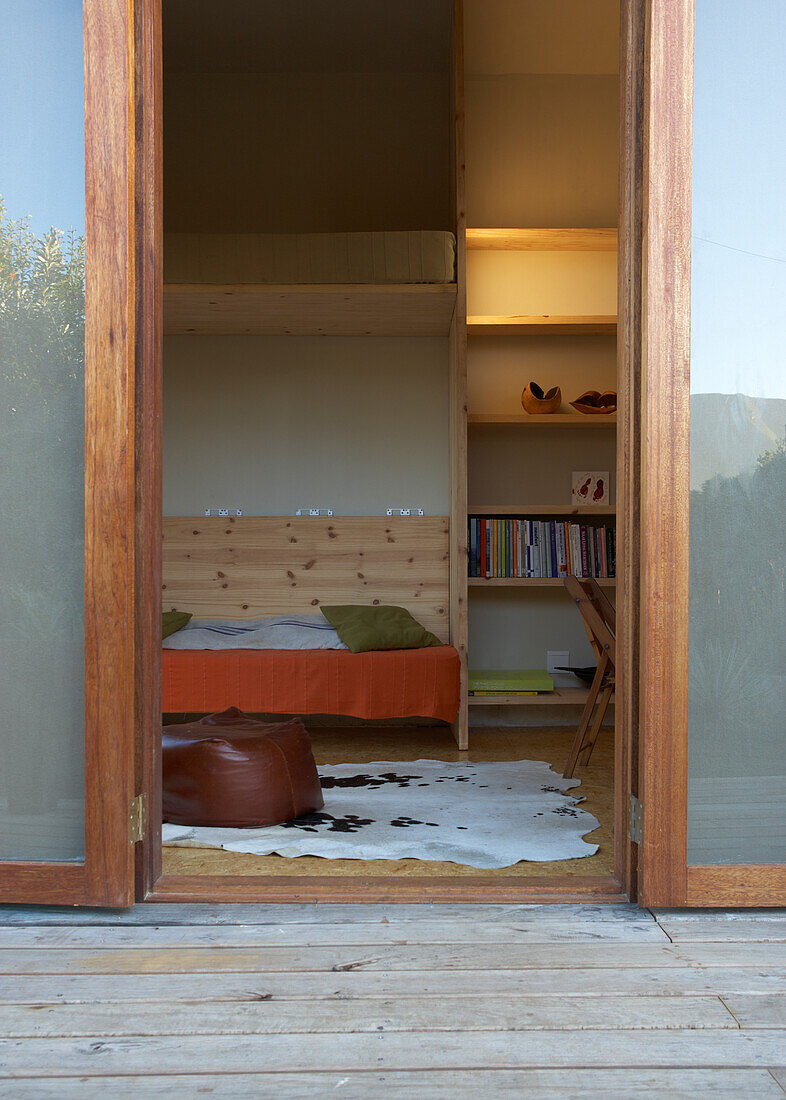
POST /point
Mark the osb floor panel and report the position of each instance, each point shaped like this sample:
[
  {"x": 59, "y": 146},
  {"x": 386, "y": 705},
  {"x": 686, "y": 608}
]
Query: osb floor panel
[{"x": 334, "y": 745}]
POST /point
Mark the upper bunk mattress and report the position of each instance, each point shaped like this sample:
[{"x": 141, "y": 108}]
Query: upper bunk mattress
[{"x": 424, "y": 256}]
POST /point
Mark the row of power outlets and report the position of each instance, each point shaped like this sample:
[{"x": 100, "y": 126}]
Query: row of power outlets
[{"x": 224, "y": 512}]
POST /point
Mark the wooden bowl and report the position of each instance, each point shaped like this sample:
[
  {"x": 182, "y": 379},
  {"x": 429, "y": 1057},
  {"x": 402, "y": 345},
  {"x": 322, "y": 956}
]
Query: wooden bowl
[
  {"x": 591, "y": 402},
  {"x": 534, "y": 400}
]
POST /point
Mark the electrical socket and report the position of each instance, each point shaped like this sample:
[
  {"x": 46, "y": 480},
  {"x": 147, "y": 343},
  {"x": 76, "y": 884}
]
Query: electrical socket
[{"x": 555, "y": 657}]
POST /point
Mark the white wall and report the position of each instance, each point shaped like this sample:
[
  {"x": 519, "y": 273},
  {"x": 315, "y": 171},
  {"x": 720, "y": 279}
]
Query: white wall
[
  {"x": 272, "y": 423},
  {"x": 541, "y": 150}
]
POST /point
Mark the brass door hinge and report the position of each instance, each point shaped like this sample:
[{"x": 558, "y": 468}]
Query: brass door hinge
[
  {"x": 137, "y": 819},
  {"x": 635, "y": 820}
]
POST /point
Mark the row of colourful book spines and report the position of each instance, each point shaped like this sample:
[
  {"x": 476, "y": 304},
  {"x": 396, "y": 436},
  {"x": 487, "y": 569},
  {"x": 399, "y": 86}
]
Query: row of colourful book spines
[{"x": 540, "y": 548}]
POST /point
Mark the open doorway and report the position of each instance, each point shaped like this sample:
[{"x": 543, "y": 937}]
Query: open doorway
[{"x": 380, "y": 227}]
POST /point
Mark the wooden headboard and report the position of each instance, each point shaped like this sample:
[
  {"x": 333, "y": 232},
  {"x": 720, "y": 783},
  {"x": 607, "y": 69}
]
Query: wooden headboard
[{"x": 250, "y": 566}]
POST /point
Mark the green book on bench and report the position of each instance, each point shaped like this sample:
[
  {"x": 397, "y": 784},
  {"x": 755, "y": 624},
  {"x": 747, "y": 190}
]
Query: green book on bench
[{"x": 510, "y": 680}]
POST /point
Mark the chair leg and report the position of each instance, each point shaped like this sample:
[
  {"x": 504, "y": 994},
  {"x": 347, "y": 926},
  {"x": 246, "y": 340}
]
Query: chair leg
[
  {"x": 586, "y": 750},
  {"x": 586, "y": 716}
]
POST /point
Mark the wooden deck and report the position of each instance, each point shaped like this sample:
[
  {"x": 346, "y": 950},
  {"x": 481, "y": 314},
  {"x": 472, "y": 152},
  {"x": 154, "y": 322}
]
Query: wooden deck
[{"x": 400, "y": 1001}]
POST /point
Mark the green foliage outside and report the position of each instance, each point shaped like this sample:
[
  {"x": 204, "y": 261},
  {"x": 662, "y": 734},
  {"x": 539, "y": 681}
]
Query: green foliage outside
[
  {"x": 42, "y": 325},
  {"x": 42, "y": 307}
]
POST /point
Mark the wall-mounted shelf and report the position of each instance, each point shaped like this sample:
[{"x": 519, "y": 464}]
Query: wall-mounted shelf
[
  {"x": 546, "y": 420},
  {"x": 559, "y": 697},
  {"x": 417, "y": 309},
  {"x": 543, "y": 240},
  {"x": 543, "y": 510},
  {"x": 541, "y": 325},
  {"x": 529, "y": 582}
]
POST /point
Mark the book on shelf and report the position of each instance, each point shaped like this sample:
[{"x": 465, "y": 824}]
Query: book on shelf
[
  {"x": 513, "y": 547},
  {"x": 508, "y": 681}
]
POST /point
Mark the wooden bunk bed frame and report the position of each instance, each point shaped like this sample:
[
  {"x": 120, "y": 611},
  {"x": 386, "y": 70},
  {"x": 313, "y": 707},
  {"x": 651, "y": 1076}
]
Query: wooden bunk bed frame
[
  {"x": 417, "y": 309},
  {"x": 252, "y": 566}
]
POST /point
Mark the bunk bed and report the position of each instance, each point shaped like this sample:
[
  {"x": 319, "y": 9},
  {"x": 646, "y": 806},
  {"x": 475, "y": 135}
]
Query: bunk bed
[
  {"x": 243, "y": 568},
  {"x": 242, "y": 177},
  {"x": 333, "y": 284}
]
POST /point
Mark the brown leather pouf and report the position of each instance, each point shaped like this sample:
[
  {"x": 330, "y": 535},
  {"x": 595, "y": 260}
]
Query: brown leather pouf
[{"x": 233, "y": 771}]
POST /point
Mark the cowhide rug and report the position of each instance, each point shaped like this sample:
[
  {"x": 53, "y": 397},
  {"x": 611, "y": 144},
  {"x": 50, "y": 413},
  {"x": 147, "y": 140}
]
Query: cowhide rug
[{"x": 484, "y": 815}]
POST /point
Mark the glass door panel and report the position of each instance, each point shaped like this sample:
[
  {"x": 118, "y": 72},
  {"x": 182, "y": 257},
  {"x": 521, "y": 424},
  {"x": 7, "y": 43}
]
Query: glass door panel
[
  {"x": 42, "y": 414},
  {"x": 69, "y": 545},
  {"x": 737, "y": 684}
]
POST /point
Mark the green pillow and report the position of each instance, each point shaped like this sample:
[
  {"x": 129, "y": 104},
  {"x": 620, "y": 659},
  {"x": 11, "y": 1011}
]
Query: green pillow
[
  {"x": 363, "y": 628},
  {"x": 174, "y": 621}
]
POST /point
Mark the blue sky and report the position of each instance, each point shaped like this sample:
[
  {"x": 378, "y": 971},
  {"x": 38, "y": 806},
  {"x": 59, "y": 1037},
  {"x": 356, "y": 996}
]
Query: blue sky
[
  {"x": 739, "y": 215},
  {"x": 739, "y": 211},
  {"x": 42, "y": 112}
]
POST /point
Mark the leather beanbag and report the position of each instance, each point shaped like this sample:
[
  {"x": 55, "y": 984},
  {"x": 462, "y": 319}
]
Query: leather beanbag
[{"x": 233, "y": 771}]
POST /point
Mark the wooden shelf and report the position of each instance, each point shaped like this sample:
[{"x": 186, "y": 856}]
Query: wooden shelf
[
  {"x": 548, "y": 420},
  {"x": 417, "y": 309},
  {"x": 542, "y": 325},
  {"x": 529, "y": 582},
  {"x": 565, "y": 697},
  {"x": 543, "y": 510},
  {"x": 543, "y": 240}
]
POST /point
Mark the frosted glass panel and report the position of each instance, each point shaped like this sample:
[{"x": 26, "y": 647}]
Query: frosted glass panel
[
  {"x": 42, "y": 305},
  {"x": 737, "y": 730}
]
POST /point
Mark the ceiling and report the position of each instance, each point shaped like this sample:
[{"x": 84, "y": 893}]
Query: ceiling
[
  {"x": 306, "y": 35},
  {"x": 541, "y": 36}
]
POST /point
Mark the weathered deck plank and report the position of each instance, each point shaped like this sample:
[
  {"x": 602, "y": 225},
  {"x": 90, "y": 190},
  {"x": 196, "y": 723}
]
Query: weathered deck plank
[
  {"x": 597, "y": 982},
  {"x": 336, "y": 934},
  {"x": 161, "y": 913},
  {"x": 536, "y": 1084},
  {"x": 768, "y": 1010},
  {"x": 457, "y": 1014},
  {"x": 386, "y": 957},
  {"x": 97, "y": 1055},
  {"x": 715, "y": 930}
]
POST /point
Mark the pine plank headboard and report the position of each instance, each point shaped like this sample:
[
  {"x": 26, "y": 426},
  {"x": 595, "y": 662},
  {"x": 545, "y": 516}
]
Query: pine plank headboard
[{"x": 249, "y": 566}]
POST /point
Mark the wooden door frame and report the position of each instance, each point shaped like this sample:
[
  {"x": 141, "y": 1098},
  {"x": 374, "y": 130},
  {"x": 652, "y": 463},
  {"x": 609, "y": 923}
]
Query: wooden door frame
[
  {"x": 666, "y": 877},
  {"x": 629, "y": 261},
  {"x": 151, "y": 884},
  {"x": 105, "y": 878},
  {"x": 149, "y": 421}
]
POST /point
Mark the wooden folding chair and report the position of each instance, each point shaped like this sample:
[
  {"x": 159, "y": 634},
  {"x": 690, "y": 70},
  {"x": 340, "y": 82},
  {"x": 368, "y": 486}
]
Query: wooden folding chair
[{"x": 599, "y": 620}]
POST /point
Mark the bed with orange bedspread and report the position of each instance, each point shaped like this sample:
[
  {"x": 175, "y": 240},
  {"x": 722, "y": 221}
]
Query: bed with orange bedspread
[{"x": 397, "y": 683}]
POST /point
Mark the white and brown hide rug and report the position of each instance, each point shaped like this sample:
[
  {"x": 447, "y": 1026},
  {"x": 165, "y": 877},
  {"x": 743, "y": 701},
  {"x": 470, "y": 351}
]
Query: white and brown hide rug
[{"x": 484, "y": 815}]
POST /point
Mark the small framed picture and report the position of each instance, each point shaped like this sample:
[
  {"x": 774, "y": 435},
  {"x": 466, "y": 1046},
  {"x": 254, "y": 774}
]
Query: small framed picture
[{"x": 590, "y": 487}]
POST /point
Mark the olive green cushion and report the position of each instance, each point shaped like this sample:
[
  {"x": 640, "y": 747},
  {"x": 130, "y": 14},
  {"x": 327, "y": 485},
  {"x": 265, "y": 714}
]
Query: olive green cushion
[
  {"x": 363, "y": 628},
  {"x": 174, "y": 621}
]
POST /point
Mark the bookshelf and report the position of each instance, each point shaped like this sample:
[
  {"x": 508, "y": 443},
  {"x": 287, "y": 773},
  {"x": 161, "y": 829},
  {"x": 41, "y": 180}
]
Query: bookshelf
[
  {"x": 542, "y": 325},
  {"x": 561, "y": 696},
  {"x": 542, "y": 420},
  {"x": 538, "y": 452},
  {"x": 538, "y": 510},
  {"x": 528, "y": 582},
  {"x": 543, "y": 240}
]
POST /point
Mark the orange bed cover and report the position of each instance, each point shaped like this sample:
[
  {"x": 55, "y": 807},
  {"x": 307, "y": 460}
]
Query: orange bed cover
[{"x": 397, "y": 683}]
